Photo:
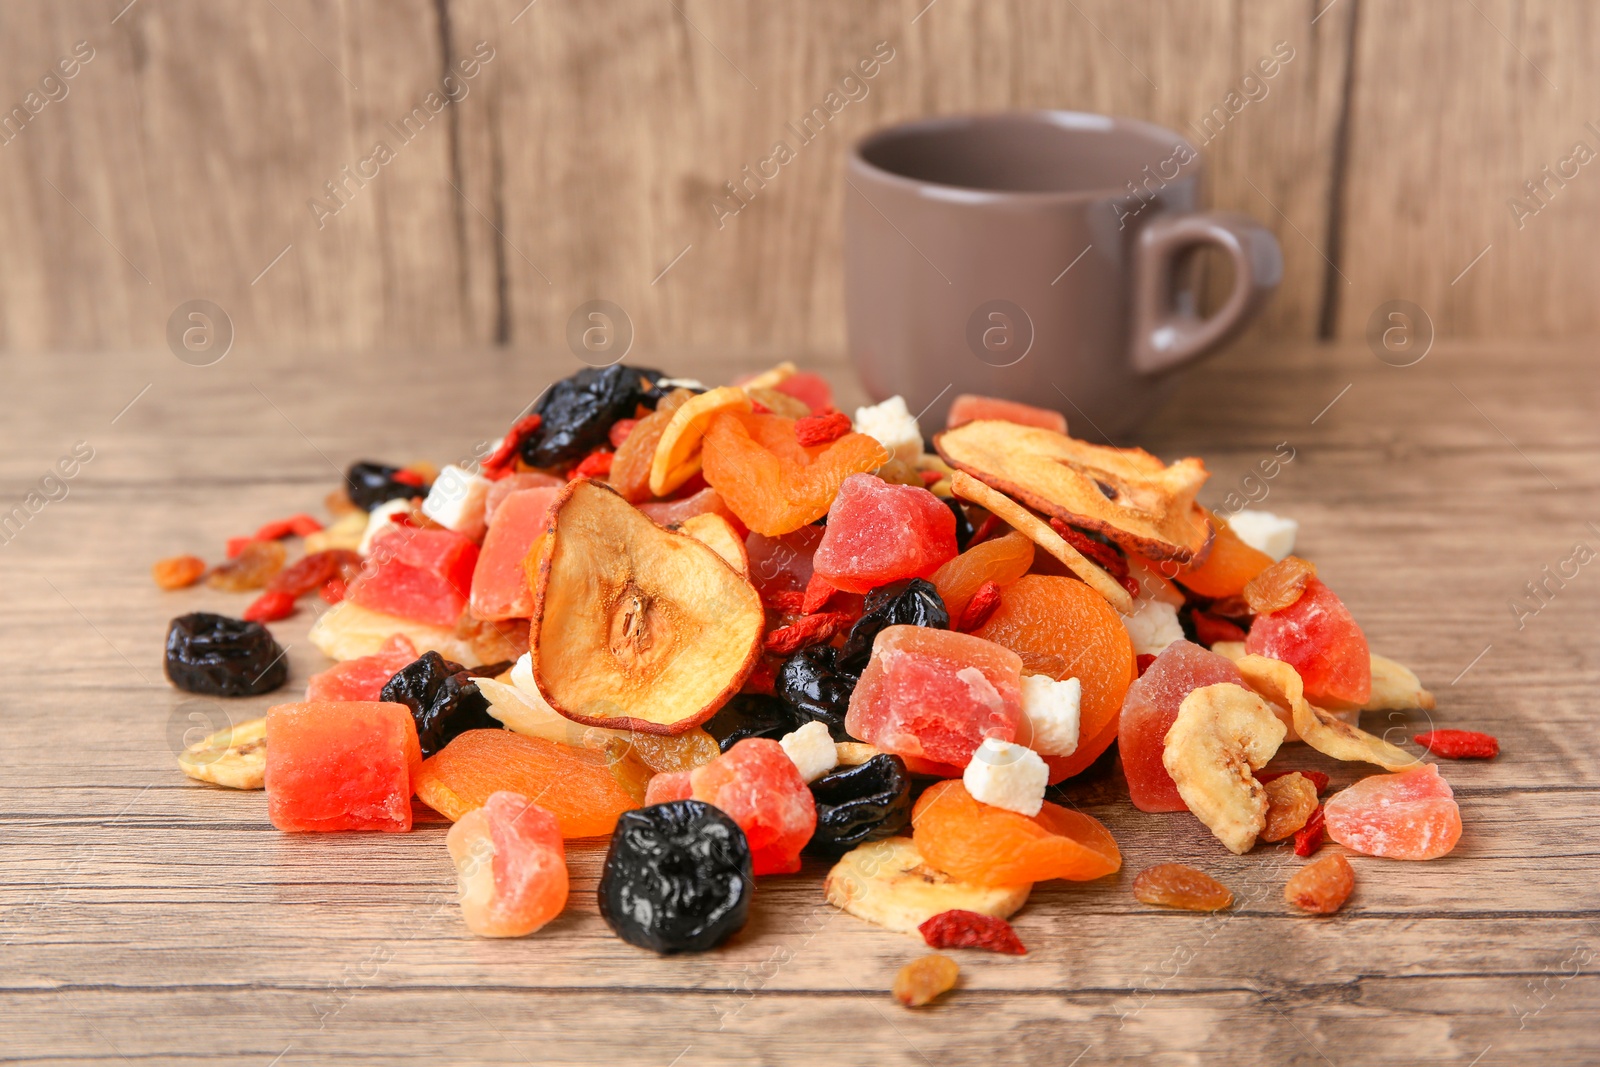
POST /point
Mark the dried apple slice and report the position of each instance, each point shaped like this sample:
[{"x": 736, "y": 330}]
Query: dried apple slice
[
  {"x": 1127, "y": 494},
  {"x": 718, "y": 534},
  {"x": 1280, "y": 683},
  {"x": 677, "y": 457},
  {"x": 635, "y": 627}
]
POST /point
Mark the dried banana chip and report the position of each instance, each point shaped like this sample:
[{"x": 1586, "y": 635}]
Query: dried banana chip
[
  {"x": 1222, "y": 735},
  {"x": 1328, "y": 734},
  {"x": 235, "y": 757},
  {"x": 889, "y": 883},
  {"x": 1396, "y": 688}
]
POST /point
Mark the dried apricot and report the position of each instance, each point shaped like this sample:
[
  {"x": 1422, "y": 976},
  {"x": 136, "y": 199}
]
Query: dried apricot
[
  {"x": 581, "y": 787},
  {"x": 772, "y": 482},
  {"x": 1002, "y": 561},
  {"x": 985, "y": 845},
  {"x": 1227, "y": 568},
  {"x": 1279, "y": 585},
  {"x": 252, "y": 568},
  {"x": 1176, "y": 885},
  {"x": 677, "y": 457},
  {"x": 1291, "y": 799},
  {"x": 924, "y": 979},
  {"x": 1062, "y": 628},
  {"x": 178, "y": 572},
  {"x": 1322, "y": 886}
]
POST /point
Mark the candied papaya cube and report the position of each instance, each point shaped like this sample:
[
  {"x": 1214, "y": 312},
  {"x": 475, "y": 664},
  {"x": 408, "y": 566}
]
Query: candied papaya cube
[
  {"x": 511, "y": 866},
  {"x": 879, "y": 533},
  {"x": 418, "y": 574},
  {"x": 934, "y": 695},
  {"x": 341, "y": 765},
  {"x": 758, "y": 786},
  {"x": 1319, "y": 638},
  {"x": 363, "y": 677},
  {"x": 1150, "y": 709},
  {"x": 500, "y": 587},
  {"x": 1410, "y": 815}
]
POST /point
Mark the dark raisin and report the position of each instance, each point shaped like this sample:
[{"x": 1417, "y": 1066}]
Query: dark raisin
[
  {"x": 915, "y": 604},
  {"x": 443, "y": 698},
  {"x": 752, "y": 715},
  {"x": 219, "y": 656},
  {"x": 811, "y": 683},
  {"x": 370, "y": 484},
  {"x": 677, "y": 877},
  {"x": 867, "y": 802},
  {"x": 964, "y": 527},
  {"x": 577, "y": 413}
]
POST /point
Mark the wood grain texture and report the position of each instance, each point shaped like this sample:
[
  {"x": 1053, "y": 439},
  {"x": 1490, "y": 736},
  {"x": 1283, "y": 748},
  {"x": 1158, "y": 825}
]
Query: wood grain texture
[{"x": 147, "y": 917}]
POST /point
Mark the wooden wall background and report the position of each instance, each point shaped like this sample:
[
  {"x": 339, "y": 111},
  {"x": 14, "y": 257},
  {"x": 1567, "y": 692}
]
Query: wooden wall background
[{"x": 581, "y": 162}]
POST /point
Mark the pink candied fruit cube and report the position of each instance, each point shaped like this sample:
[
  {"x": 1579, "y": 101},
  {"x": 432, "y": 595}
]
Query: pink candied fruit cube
[
  {"x": 341, "y": 765},
  {"x": 513, "y": 483},
  {"x": 362, "y": 678},
  {"x": 759, "y": 787},
  {"x": 879, "y": 533},
  {"x": 1319, "y": 638},
  {"x": 417, "y": 574},
  {"x": 1411, "y": 815},
  {"x": 1150, "y": 709},
  {"x": 511, "y": 865},
  {"x": 782, "y": 564},
  {"x": 934, "y": 695},
  {"x": 500, "y": 588},
  {"x": 668, "y": 786}
]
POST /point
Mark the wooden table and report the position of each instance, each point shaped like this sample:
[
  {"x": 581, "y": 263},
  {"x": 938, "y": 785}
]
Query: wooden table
[{"x": 149, "y": 918}]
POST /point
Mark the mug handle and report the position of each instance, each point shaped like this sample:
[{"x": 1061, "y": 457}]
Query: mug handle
[{"x": 1164, "y": 337}]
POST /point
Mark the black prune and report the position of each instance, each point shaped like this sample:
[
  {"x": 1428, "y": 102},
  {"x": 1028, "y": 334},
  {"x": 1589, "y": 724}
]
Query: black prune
[
  {"x": 443, "y": 698},
  {"x": 677, "y": 877},
  {"x": 964, "y": 527},
  {"x": 811, "y": 683},
  {"x": 917, "y": 604},
  {"x": 223, "y": 657},
  {"x": 752, "y": 715},
  {"x": 370, "y": 484},
  {"x": 577, "y": 413},
  {"x": 867, "y": 802}
]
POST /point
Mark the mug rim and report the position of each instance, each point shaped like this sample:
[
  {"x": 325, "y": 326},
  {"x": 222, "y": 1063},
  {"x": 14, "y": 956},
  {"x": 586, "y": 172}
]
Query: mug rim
[{"x": 1079, "y": 120}]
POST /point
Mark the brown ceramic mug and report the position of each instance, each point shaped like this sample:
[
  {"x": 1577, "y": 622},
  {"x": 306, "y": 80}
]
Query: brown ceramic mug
[{"x": 1037, "y": 256}]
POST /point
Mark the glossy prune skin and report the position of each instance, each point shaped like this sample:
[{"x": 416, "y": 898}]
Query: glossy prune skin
[
  {"x": 810, "y": 682},
  {"x": 867, "y": 802},
  {"x": 577, "y": 413},
  {"x": 370, "y": 484},
  {"x": 964, "y": 527},
  {"x": 443, "y": 698},
  {"x": 917, "y": 604},
  {"x": 223, "y": 657},
  {"x": 677, "y": 877},
  {"x": 752, "y": 715}
]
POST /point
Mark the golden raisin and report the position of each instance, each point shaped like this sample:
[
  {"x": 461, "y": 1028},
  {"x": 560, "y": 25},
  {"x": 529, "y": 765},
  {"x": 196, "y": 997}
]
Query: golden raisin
[
  {"x": 1175, "y": 885},
  {"x": 252, "y": 568},
  {"x": 1290, "y": 802},
  {"x": 665, "y": 754},
  {"x": 339, "y": 503},
  {"x": 925, "y": 978},
  {"x": 178, "y": 572},
  {"x": 1322, "y": 886},
  {"x": 1279, "y": 585}
]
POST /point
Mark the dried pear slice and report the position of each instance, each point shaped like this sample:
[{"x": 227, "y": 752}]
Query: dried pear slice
[
  {"x": 235, "y": 757},
  {"x": 1127, "y": 494},
  {"x": 889, "y": 883},
  {"x": 1222, "y": 733},
  {"x": 1036, "y": 530},
  {"x": 1280, "y": 683},
  {"x": 718, "y": 534},
  {"x": 635, "y": 627},
  {"x": 677, "y": 457},
  {"x": 1395, "y": 687}
]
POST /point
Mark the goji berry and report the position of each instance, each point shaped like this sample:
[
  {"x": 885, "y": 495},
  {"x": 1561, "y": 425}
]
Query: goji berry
[
  {"x": 1131, "y": 584},
  {"x": 498, "y": 463},
  {"x": 988, "y": 526},
  {"x": 315, "y": 570},
  {"x": 1309, "y": 837},
  {"x": 620, "y": 430},
  {"x": 1209, "y": 629},
  {"x": 270, "y": 606},
  {"x": 980, "y": 607},
  {"x": 1459, "y": 744},
  {"x": 1143, "y": 661},
  {"x": 930, "y": 478},
  {"x": 1107, "y": 558},
  {"x": 408, "y": 477},
  {"x": 821, "y": 429},
  {"x": 334, "y": 589},
  {"x": 788, "y": 601},
  {"x": 818, "y": 592},
  {"x": 300, "y": 525},
  {"x": 596, "y": 464},
  {"x": 957, "y": 928},
  {"x": 811, "y": 630},
  {"x": 236, "y": 545},
  {"x": 1317, "y": 778},
  {"x": 761, "y": 680},
  {"x": 759, "y": 408}
]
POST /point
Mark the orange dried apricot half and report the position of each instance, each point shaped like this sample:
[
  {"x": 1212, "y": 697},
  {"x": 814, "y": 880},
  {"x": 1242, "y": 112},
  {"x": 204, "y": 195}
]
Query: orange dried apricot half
[
  {"x": 985, "y": 845},
  {"x": 772, "y": 483}
]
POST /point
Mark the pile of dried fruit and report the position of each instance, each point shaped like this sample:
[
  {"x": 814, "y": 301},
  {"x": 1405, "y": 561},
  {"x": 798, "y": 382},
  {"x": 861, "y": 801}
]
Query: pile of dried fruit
[{"x": 726, "y": 627}]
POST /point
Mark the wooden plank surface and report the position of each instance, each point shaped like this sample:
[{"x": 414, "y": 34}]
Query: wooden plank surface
[{"x": 148, "y": 918}]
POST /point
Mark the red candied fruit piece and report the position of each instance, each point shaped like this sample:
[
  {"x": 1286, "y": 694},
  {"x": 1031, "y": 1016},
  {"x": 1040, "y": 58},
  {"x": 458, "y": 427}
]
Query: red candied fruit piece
[
  {"x": 596, "y": 464},
  {"x": 779, "y": 564},
  {"x": 515, "y": 483},
  {"x": 958, "y": 928},
  {"x": 300, "y": 525},
  {"x": 1411, "y": 815},
  {"x": 879, "y": 533},
  {"x": 418, "y": 574},
  {"x": 511, "y": 865},
  {"x": 1143, "y": 661},
  {"x": 270, "y": 606},
  {"x": 810, "y": 389},
  {"x": 968, "y": 407},
  {"x": 1209, "y": 628},
  {"x": 362, "y": 678},
  {"x": 821, "y": 429},
  {"x": 667, "y": 787},
  {"x": 341, "y": 765},
  {"x": 620, "y": 430},
  {"x": 499, "y": 582},
  {"x": 1150, "y": 709},
  {"x": 759, "y": 787},
  {"x": 1459, "y": 744},
  {"x": 1319, "y": 638},
  {"x": 1309, "y": 837}
]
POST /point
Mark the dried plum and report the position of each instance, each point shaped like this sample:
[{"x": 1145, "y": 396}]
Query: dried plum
[
  {"x": 577, "y": 413},
  {"x": 812, "y": 685},
  {"x": 443, "y": 698},
  {"x": 867, "y": 802},
  {"x": 752, "y": 715},
  {"x": 915, "y": 604},
  {"x": 370, "y": 484},
  {"x": 677, "y": 877},
  {"x": 964, "y": 527},
  {"x": 219, "y": 656}
]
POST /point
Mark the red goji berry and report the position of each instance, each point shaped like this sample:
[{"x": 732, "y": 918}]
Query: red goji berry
[
  {"x": 596, "y": 464},
  {"x": 969, "y": 929},
  {"x": 762, "y": 680},
  {"x": 237, "y": 545},
  {"x": 407, "y": 477},
  {"x": 620, "y": 430},
  {"x": 315, "y": 570},
  {"x": 498, "y": 463},
  {"x": 1107, "y": 558},
  {"x": 1317, "y": 778},
  {"x": 821, "y": 429},
  {"x": 1308, "y": 838},
  {"x": 759, "y": 408},
  {"x": 1131, "y": 584},
  {"x": 334, "y": 589},
  {"x": 980, "y": 607},
  {"x": 811, "y": 630},
  {"x": 818, "y": 592},
  {"x": 303, "y": 525},
  {"x": 300, "y": 525},
  {"x": 988, "y": 526},
  {"x": 1209, "y": 628},
  {"x": 930, "y": 478},
  {"x": 1459, "y": 744},
  {"x": 270, "y": 606},
  {"x": 1143, "y": 661},
  {"x": 788, "y": 601}
]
